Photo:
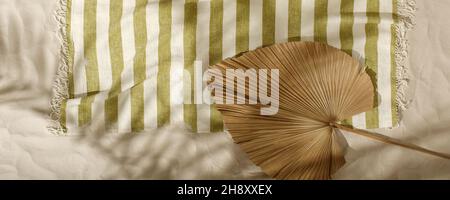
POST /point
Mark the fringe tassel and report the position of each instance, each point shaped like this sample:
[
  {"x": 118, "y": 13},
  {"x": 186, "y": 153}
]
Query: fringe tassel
[
  {"x": 60, "y": 85},
  {"x": 405, "y": 22}
]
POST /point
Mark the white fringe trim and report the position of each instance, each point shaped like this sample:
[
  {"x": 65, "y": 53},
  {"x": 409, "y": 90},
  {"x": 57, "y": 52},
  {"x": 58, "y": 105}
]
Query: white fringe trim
[
  {"x": 60, "y": 85},
  {"x": 406, "y": 10}
]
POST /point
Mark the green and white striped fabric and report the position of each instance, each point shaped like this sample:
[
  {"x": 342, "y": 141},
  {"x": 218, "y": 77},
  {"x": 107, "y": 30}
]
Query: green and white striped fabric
[{"x": 126, "y": 57}]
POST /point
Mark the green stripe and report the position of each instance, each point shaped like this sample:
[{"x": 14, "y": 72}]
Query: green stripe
[
  {"x": 164, "y": 60},
  {"x": 84, "y": 110},
  {"x": 394, "y": 103},
  {"x": 137, "y": 92},
  {"x": 215, "y": 54},
  {"x": 117, "y": 64},
  {"x": 70, "y": 54},
  {"x": 294, "y": 20},
  {"x": 346, "y": 26},
  {"x": 320, "y": 20},
  {"x": 268, "y": 29},
  {"x": 90, "y": 47},
  {"x": 111, "y": 112},
  {"x": 242, "y": 25},
  {"x": 371, "y": 52},
  {"x": 90, "y": 53},
  {"x": 63, "y": 118},
  {"x": 346, "y": 33},
  {"x": 189, "y": 40}
]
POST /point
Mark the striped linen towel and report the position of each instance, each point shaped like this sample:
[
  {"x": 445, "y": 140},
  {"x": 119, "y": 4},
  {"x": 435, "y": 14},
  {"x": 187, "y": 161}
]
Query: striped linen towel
[{"x": 123, "y": 60}]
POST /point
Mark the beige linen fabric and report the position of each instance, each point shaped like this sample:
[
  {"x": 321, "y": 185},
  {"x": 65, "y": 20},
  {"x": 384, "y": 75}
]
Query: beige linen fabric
[{"x": 29, "y": 50}]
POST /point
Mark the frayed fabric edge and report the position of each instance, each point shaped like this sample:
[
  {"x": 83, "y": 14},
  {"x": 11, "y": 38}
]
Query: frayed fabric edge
[
  {"x": 405, "y": 21},
  {"x": 60, "y": 84}
]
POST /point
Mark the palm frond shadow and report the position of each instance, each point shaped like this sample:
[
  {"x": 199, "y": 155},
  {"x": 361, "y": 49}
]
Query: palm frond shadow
[{"x": 170, "y": 152}]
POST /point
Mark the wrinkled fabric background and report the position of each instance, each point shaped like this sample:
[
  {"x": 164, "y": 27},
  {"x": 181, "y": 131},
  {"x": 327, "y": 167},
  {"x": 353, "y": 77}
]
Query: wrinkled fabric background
[{"x": 29, "y": 52}]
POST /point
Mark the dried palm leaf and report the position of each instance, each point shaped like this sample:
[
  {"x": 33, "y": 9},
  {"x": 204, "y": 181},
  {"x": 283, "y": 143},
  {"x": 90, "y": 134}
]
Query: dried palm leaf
[{"x": 319, "y": 86}]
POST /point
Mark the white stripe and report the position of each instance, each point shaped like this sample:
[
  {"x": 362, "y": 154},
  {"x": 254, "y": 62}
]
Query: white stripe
[
  {"x": 124, "y": 110},
  {"x": 281, "y": 21},
  {"x": 255, "y": 23},
  {"x": 103, "y": 54},
  {"x": 98, "y": 113},
  {"x": 72, "y": 114},
  {"x": 334, "y": 19},
  {"x": 198, "y": 74},
  {"x": 202, "y": 53},
  {"x": 359, "y": 41},
  {"x": 150, "y": 95},
  {"x": 79, "y": 65},
  {"x": 229, "y": 28},
  {"x": 384, "y": 65},
  {"x": 177, "y": 63},
  {"x": 128, "y": 43},
  {"x": 307, "y": 20}
]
